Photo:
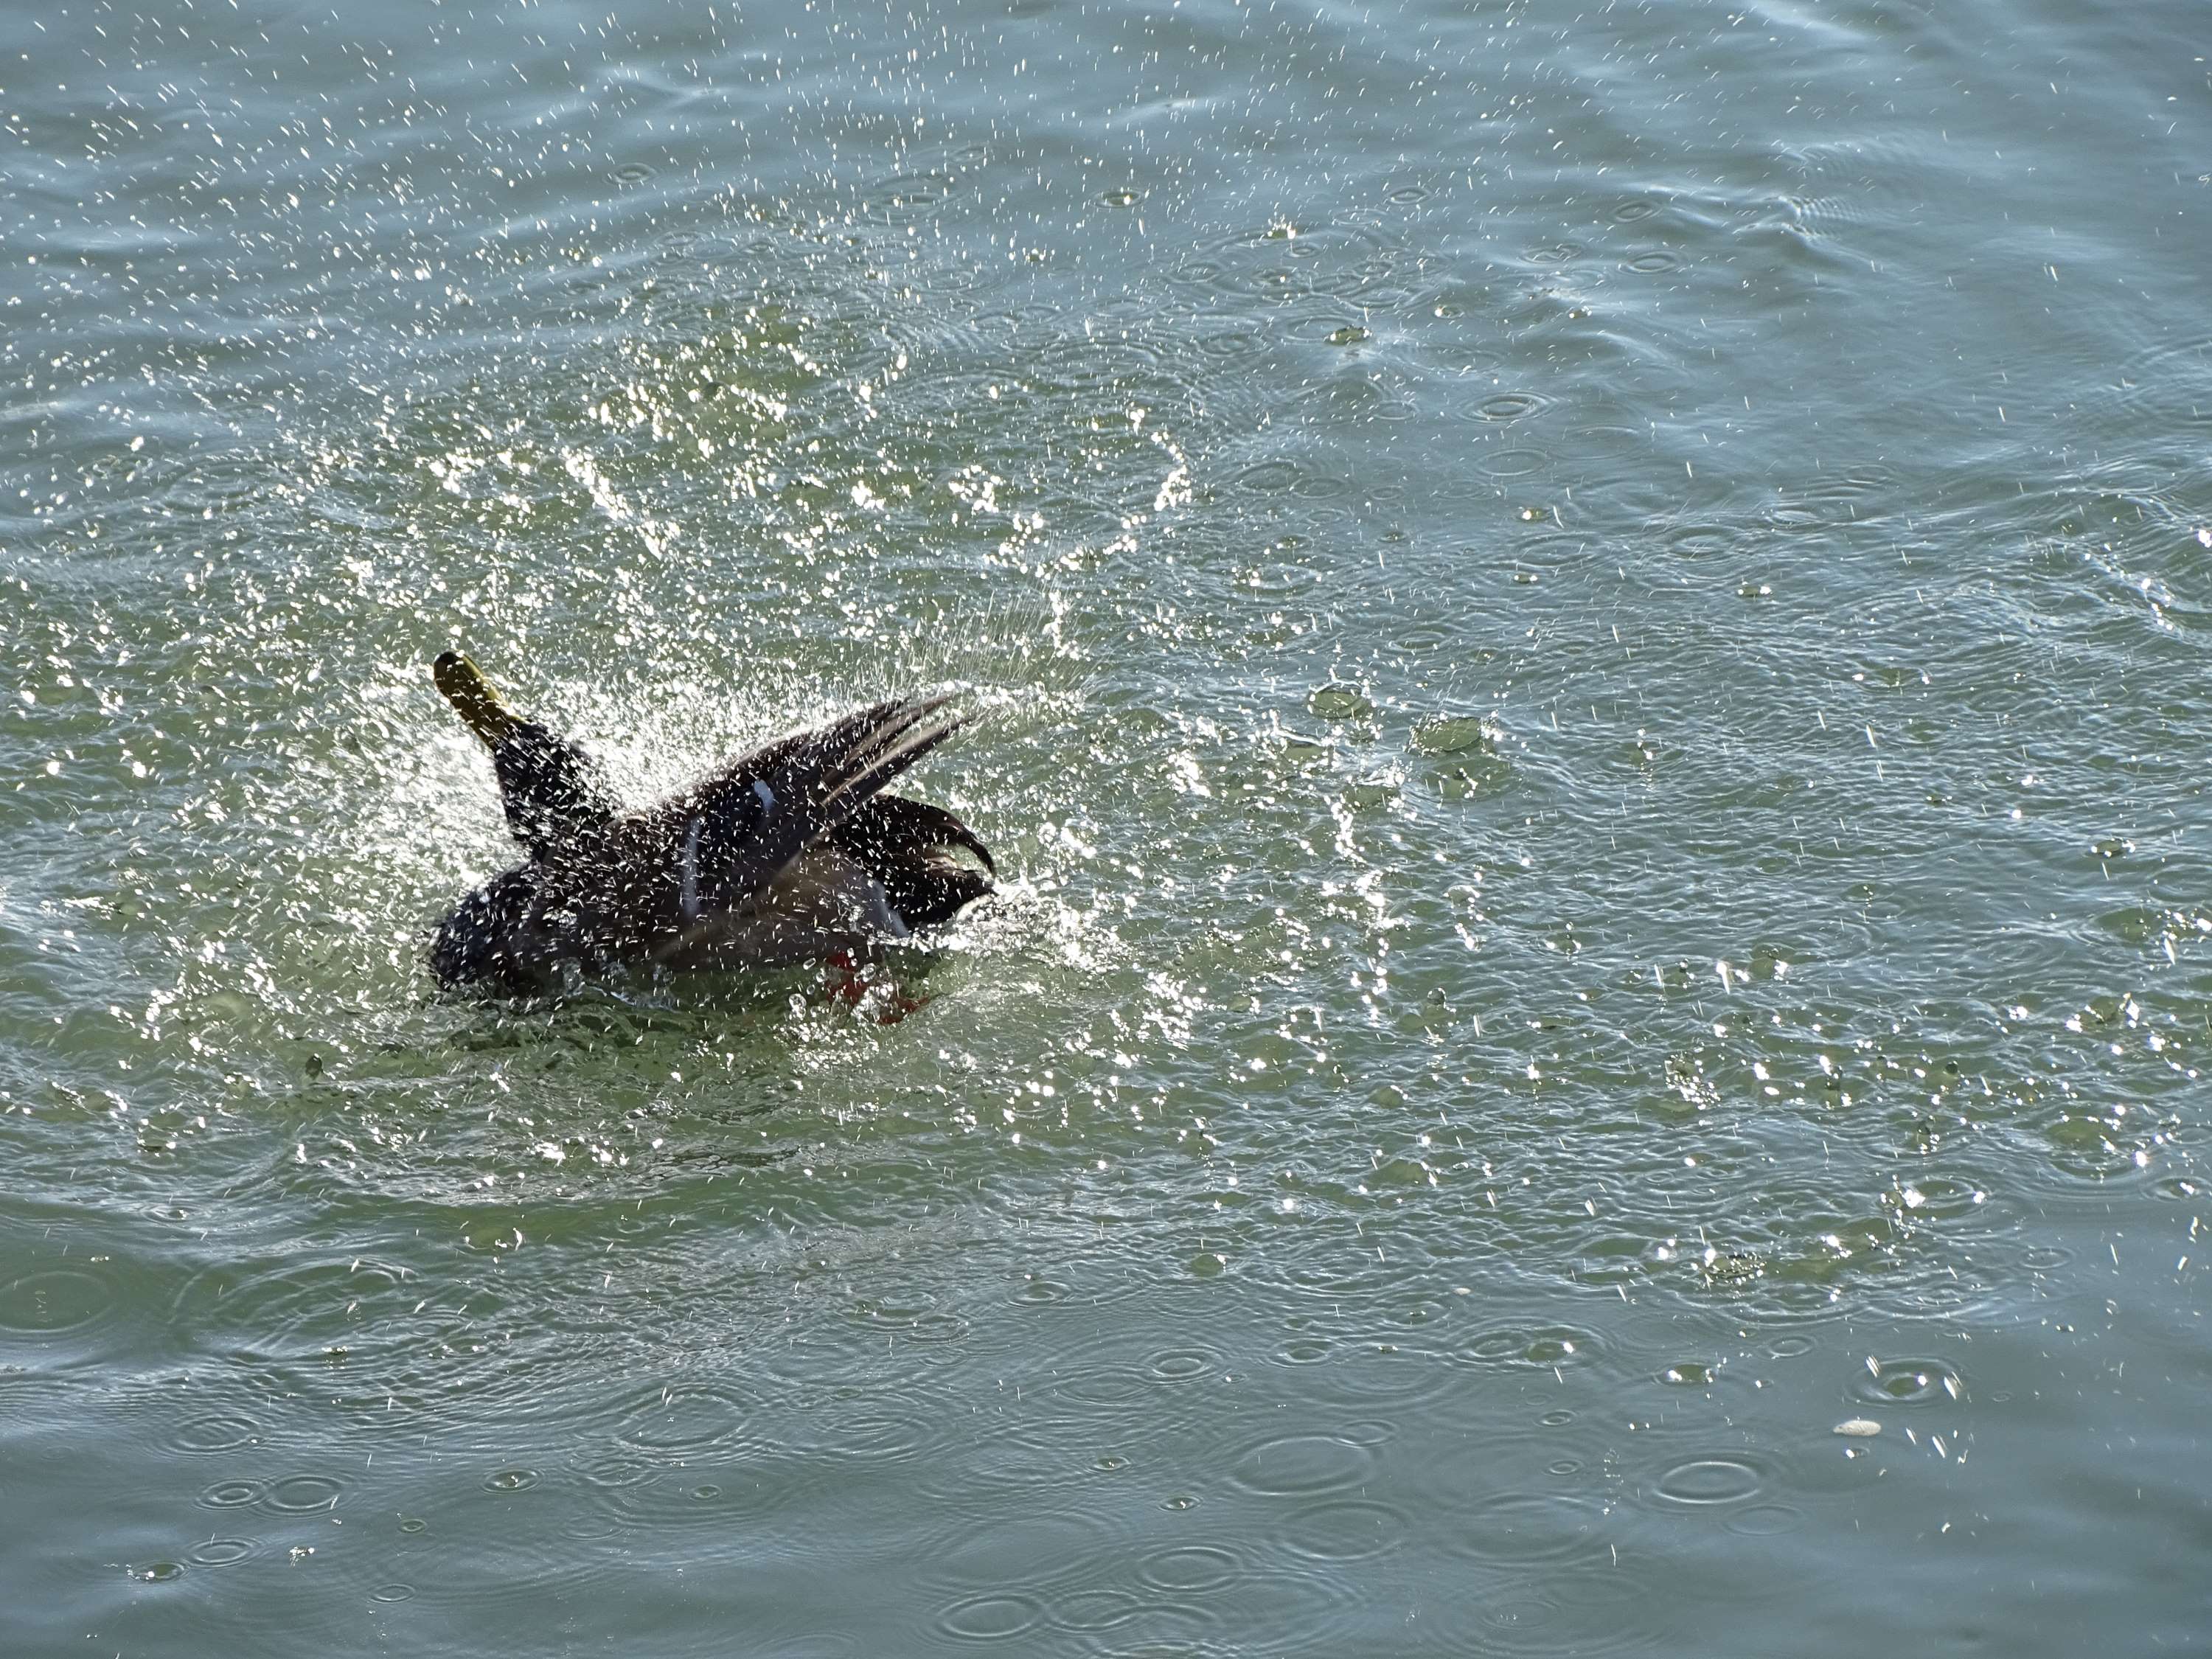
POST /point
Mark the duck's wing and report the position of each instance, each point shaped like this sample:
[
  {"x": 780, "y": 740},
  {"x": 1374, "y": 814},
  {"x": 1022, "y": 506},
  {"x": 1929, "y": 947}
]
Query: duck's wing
[
  {"x": 739, "y": 831},
  {"x": 905, "y": 845}
]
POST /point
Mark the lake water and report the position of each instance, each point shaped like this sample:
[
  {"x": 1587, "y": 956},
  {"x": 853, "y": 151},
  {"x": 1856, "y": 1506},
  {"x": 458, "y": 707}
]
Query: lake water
[{"x": 1590, "y": 626}]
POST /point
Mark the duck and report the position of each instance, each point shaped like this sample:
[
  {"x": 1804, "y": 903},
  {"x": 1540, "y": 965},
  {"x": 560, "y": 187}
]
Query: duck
[{"x": 793, "y": 852}]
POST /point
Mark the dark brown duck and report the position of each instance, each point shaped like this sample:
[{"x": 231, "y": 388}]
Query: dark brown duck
[{"x": 790, "y": 852}]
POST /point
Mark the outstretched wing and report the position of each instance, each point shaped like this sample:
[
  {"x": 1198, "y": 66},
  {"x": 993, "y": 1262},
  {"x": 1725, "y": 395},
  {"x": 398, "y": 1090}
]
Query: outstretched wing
[{"x": 743, "y": 827}]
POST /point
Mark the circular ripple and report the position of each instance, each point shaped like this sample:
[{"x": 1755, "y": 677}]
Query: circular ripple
[
  {"x": 1909, "y": 1383},
  {"x": 1703, "y": 1482},
  {"x": 212, "y": 1433},
  {"x": 1028, "y": 1549},
  {"x": 1522, "y": 1528},
  {"x": 1699, "y": 541},
  {"x": 1789, "y": 1347},
  {"x": 1456, "y": 735},
  {"x": 1096, "y": 1609},
  {"x": 233, "y": 1494},
  {"x": 1189, "y": 1568},
  {"x": 303, "y": 1494},
  {"x": 511, "y": 1480},
  {"x": 684, "y": 1420},
  {"x": 1110, "y": 1385},
  {"x": 49, "y": 1303},
  {"x": 876, "y": 1437},
  {"x": 990, "y": 1617},
  {"x": 1301, "y": 1465},
  {"x": 630, "y": 174},
  {"x": 393, "y": 1593},
  {"x": 1546, "y": 1348},
  {"x": 1509, "y": 405},
  {"x": 1270, "y": 477},
  {"x": 1583, "y": 1611},
  {"x": 222, "y": 1552},
  {"x": 1652, "y": 264},
  {"x": 1766, "y": 1520},
  {"x": 1181, "y": 1366},
  {"x": 1345, "y": 1530},
  {"x": 1629, "y": 212},
  {"x": 1513, "y": 463}
]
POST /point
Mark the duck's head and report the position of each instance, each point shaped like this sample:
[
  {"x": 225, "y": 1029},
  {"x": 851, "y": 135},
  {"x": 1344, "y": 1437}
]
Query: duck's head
[{"x": 554, "y": 792}]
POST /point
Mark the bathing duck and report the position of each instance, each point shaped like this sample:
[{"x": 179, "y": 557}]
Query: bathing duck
[{"x": 789, "y": 852}]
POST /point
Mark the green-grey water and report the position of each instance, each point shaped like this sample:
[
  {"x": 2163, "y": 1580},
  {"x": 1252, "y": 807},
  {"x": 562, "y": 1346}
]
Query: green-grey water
[{"x": 1590, "y": 631}]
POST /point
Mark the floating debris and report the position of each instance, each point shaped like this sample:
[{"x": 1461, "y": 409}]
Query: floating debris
[{"x": 1859, "y": 1428}]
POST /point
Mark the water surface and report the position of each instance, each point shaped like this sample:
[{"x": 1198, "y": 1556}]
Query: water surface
[{"x": 1590, "y": 629}]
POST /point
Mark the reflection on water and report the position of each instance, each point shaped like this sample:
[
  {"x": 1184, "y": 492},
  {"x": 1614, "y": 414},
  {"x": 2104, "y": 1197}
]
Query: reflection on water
[{"x": 1587, "y": 641}]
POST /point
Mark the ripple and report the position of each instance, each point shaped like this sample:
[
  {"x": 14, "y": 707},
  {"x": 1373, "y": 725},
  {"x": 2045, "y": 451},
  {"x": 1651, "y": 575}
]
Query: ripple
[
  {"x": 1908, "y": 1382},
  {"x": 1338, "y": 703},
  {"x": 1705, "y": 1482},
  {"x": 1282, "y": 262},
  {"x": 1629, "y": 212},
  {"x": 1301, "y": 1465},
  {"x": 1345, "y": 1530},
  {"x": 511, "y": 1480},
  {"x": 1513, "y": 463},
  {"x": 1546, "y": 1348},
  {"x": 51, "y": 1302},
  {"x": 1699, "y": 541},
  {"x": 303, "y": 1494},
  {"x": 1654, "y": 263},
  {"x": 1509, "y": 406},
  {"x": 910, "y": 195},
  {"x": 1766, "y": 1520},
  {"x": 1305, "y": 1351},
  {"x": 1583, "y": 1611},
  {"x": 630, "y": 174},
  {"x": 221, "y": 1552},
  {"x": 989, "y": 1552},
  {"x": 992, "y": 1618},
  {"x": 1096, "y": 1609},
  {"x": 1180, "y": 1365},
  {"x": 213, "y": 1433},
  {"x": 1270, "y": 477},
  {"x": 233, "y": 1494},
  {"x": 1790, "y": 1348},
  {"x": 393, "y": 1593},
  {"x": 1456, "y": 734},
  {"x": 1108, "y": 1385},
  {"x": 1552, "y": 253},
  {"x": 1519, "y": 1528},
  {"x": 685, "y": 1419},
  {"x": 877, "y": 1438},
  {"x": 1189, "y": 1568},
  {"x": 1229, "y": 344}
]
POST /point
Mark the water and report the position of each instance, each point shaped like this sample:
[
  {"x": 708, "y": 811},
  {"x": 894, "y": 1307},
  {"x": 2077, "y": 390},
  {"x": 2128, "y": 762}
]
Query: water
[{"x": 1590, "y": 625}]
